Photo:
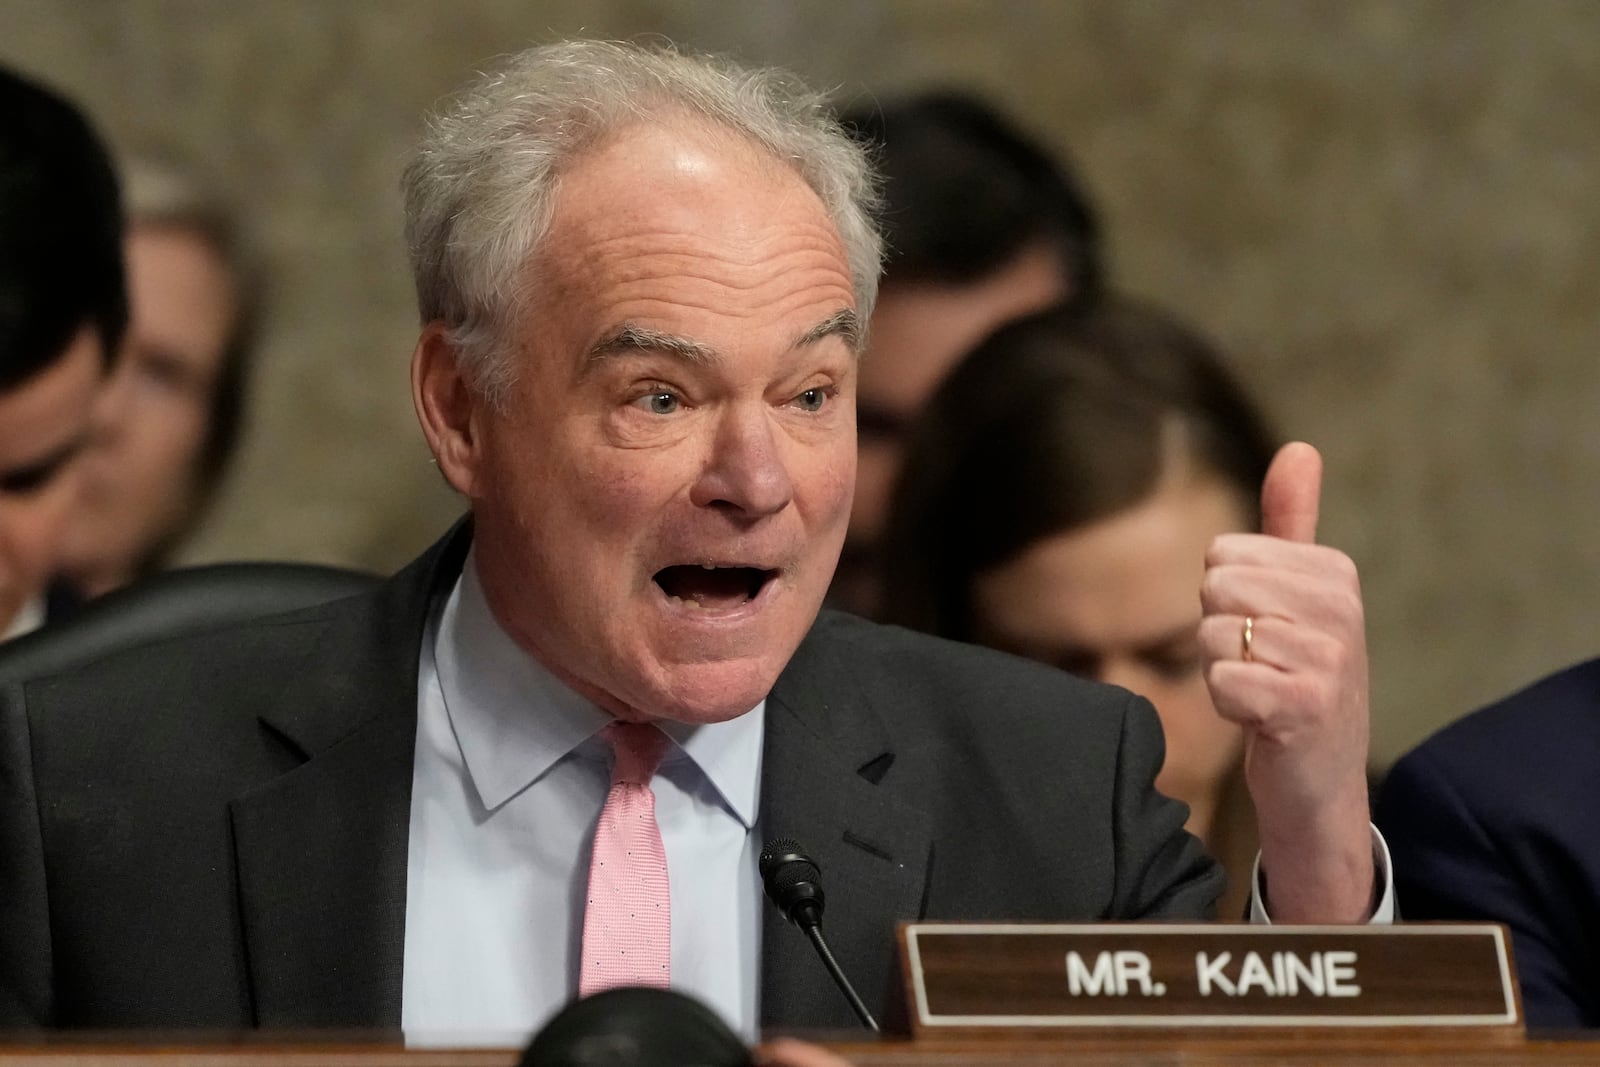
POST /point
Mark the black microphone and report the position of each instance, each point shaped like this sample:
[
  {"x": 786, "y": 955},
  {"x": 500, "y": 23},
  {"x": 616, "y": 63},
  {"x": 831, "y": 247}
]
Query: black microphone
[
  {"x": 630, "y": 1026},
  {"x": 794, "y": 884}
]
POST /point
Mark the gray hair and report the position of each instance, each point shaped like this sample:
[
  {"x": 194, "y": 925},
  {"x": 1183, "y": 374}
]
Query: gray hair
[{"x": 480, "y": 191}]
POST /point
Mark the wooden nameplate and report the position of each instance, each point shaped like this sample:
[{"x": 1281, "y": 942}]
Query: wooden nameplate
[{"x": 963, "y": 978}]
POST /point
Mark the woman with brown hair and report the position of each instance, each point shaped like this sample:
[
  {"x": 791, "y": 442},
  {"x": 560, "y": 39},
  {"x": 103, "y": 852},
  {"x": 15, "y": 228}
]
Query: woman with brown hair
[{"x": 1058, "y": 498}]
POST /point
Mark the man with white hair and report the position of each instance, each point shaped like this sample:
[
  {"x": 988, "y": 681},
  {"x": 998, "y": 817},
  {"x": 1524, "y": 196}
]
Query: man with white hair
[{"x": 543, "y": 759}]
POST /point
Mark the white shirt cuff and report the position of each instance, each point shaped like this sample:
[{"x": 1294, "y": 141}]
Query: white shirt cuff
[{"x": 1382, "y": 914}]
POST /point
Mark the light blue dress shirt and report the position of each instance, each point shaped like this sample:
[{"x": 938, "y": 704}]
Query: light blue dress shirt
[{"x": 507, "y": 786}]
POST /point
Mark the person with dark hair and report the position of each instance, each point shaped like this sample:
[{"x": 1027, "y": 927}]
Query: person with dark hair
[
  {"x": 1057, "y": 501},
  {"x": 981, "y": 224},
  {"x": 164, "y": 439},
  {"x": 63, "y": 309}
]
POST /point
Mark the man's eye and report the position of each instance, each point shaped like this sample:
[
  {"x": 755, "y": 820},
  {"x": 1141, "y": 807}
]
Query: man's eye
[
  {"x": 30, "y": 480},
  {"x": 168, "y": 374},
  {"x": 812, "y": 399},
  {"x": 1175, "y": 666},
  {"x": 659, "y": 403}
]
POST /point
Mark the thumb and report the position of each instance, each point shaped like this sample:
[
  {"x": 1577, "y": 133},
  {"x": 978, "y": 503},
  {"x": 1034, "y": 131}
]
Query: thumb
[{"x": 1290, "y": 493}]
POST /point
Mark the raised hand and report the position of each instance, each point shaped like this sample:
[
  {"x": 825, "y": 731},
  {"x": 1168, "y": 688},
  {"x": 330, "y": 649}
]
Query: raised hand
[{"x": 1286, "y": 657}]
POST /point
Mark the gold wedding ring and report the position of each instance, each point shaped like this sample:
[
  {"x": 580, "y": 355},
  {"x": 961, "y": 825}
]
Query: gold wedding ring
[{"x": 1246, "y": 638}]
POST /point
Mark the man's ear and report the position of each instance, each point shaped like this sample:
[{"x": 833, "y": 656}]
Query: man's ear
[{"x": 448, "y": 408}]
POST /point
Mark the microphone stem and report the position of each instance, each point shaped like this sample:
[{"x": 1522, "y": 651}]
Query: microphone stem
[{"x": 814, "y": 932}]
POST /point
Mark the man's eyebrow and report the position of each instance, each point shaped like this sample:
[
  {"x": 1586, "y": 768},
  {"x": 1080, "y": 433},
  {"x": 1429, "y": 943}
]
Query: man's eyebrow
[
  {"x": 632, "y": 338},
  {"x": 842, "y": 323}
]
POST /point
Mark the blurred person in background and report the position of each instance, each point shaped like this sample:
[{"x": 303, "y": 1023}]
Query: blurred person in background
[
  {"x": 982, "y": 224},
  {"x": 1492, "y": 819},
  {"x": 163, "y": 443},
  {"x": 63, "y": 310},
  {"x": 1057, "y": 501}
]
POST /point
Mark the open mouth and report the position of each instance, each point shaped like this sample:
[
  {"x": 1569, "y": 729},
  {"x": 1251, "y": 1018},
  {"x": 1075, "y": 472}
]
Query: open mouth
[{"x": 709, "y": 587}]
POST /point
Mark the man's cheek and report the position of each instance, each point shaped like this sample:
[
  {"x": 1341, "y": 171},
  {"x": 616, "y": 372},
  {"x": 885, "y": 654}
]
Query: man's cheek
[
  {"x": 841, "y": 480},
  {"x": 626, "y": 491}
]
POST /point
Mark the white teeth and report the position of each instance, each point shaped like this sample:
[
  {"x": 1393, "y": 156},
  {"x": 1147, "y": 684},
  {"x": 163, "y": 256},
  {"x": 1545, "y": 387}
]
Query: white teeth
[{"x": 708, "y": 566}]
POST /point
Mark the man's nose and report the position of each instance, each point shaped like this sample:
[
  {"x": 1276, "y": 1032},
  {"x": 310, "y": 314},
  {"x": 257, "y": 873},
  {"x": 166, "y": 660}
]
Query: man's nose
[{"x": 745, "y": 472}]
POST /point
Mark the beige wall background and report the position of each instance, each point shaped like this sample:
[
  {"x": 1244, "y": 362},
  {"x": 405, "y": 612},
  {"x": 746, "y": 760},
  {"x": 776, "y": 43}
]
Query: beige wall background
[{"x": 1385, "y": 209}]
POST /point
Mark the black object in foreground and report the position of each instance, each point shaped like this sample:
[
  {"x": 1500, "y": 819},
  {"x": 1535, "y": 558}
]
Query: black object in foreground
[
  {"x": 635, "y": 1026},
  {"x": 794, "y": 885}
]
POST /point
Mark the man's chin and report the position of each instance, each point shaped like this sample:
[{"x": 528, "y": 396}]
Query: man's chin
[
  {"x": 705, "y": 693},
  {"x": 716, "y": 704}
]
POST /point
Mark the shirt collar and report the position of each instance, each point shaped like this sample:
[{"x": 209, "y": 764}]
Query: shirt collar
[
  {"x": 514, "y": 720},
  {"x": 28, "y": 618}
]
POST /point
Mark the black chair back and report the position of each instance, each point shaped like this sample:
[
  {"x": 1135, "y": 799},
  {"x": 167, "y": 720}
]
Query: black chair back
[{"x": 172, "y": 604}]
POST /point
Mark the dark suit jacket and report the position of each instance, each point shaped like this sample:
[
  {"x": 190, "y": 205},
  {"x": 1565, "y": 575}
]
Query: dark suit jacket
[
  {"x": 1498, "y": 817},
  {"x": 213, "y": 831}
]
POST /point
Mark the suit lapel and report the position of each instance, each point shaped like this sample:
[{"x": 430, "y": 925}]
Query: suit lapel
[
  {"x": 321, "y": 851},
  {"x": 825, "y": 750}
]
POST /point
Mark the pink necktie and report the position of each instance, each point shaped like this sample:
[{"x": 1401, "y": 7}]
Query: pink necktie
[{"x": 627, "y": 923}]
